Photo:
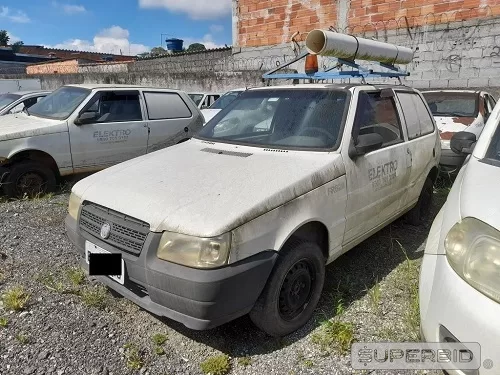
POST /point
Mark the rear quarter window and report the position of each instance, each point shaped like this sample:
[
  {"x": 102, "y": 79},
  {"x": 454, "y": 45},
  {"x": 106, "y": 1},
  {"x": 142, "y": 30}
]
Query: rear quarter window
[
  {"x": 166, "y": 105},
  {"x": 418, "y": 119}
]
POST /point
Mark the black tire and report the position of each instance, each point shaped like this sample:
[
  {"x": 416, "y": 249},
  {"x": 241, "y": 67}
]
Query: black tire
[
  {"x": 30, "y": 178},
  {"x": 292, "y": 291},
  {"x": 418, "y": 214}
]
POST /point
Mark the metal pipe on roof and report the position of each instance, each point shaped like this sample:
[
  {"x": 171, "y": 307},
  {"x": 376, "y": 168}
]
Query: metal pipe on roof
[{"x": 350, "y": 47}]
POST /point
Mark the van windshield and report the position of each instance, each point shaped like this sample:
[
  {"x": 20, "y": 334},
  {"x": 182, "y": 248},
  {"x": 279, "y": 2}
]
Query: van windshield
[
  {"x": 60, "y": 104},
  {"x": 284, "y": 118},
  {"x": 225, "y": 100}
]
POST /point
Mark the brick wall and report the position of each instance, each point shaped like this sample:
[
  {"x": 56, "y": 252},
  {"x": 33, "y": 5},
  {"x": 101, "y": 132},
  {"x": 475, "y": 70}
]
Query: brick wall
[{"x": 271, "y": 22}]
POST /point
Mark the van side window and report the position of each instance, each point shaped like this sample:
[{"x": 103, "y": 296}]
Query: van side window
[
  {"x": 115, "y": 107},
  {"x": 166, "y": 105},
  {"x": 418, "y": 119},
  {"x": 378, "y": 115}
]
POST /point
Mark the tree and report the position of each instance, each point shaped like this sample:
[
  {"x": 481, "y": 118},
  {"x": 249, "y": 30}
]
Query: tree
[
  {"x": 4, "y": 38},
  {"x": 17, "y": 46},
  {"x": 195, "y": 47},
  {"x": 157, "y": 51}
]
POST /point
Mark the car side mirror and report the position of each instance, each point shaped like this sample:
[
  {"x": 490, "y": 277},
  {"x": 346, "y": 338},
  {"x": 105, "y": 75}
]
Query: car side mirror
[
  {"x": 366, "y": 143},
  {"x": 86, "y": 118},
  {"x": 463, "y": 142}
]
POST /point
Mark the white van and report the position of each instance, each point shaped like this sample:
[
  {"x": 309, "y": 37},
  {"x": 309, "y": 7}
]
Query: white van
[
  {"x": 244, "y": 217},
  {"x": 86, "y": 128}
]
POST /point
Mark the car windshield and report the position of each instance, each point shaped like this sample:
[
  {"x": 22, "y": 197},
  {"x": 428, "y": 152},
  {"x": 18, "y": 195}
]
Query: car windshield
[
  {"x": 284, "y": 118},
  {"x": 196, "y": 98},
  {"x": 493, "y": 152},
  {"x": 60, "y": 104},
  {"x": 450, "y": 104},
  {"x": 225, "y": 100},
  {"x": 7, "y": 99}
]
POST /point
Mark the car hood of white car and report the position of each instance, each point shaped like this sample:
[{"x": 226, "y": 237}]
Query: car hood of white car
[
  {"x": 22, "y": 125},
  {"x": 206, "y": 189},
  {"x": 479, "y": 195}
]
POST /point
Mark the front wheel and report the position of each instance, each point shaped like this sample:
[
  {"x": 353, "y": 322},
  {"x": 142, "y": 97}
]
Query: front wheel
[
  {"x": 29, "y": 178},
  {"x": 293, "y": 290}
]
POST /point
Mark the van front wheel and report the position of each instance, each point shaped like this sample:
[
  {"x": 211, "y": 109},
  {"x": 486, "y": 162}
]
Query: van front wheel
[
  {"x": 293, "y": 290},
  {"x": 29, "y": 178}
]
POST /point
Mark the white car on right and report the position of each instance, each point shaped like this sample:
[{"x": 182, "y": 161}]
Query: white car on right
[{"x": 460, "y": 274}]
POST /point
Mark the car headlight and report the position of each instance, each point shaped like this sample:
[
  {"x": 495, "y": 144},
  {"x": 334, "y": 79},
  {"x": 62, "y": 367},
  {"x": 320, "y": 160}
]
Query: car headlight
[
  {"x": 194, "y": 251},
  {"x": 473, "y": 251},
  {"x": 74, "y": 205}
]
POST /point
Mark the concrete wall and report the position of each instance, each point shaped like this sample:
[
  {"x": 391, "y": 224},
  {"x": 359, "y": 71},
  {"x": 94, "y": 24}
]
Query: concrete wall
[
  {"x": 203, "y": 81},
  {"x": 103, "y": 68}
]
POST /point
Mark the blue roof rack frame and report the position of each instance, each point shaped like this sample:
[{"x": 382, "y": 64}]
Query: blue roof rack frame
[{"x": 336, "y": 72}]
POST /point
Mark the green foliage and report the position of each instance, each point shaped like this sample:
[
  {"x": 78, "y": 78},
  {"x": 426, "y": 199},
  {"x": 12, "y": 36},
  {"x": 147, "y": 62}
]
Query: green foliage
[{"x": 218, "y": 365}]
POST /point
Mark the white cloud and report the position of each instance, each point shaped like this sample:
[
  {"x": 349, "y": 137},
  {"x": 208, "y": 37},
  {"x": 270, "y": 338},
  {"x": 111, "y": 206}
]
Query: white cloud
[
  {"x": 15, "y": 16},
  {"x": 110, "y": 40},
  {"x": 216, "y": 29},
  {"x": 13, "y": 38},
  {"x": 207, "y": 40},
  {"x": 196, "y": 9},
  {"x": 69, "y": 8}
]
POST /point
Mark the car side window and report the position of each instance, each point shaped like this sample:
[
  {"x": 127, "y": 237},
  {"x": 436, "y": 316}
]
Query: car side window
[
  {"x": 166, "y": 105},
  {"x": 376, "y": 114},
  {"x": 114, "y": 106},
  {"x": 418, "y": 119}
]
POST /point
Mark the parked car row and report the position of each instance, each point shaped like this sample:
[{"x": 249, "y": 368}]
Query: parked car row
[{"x": 263, "y": 190}]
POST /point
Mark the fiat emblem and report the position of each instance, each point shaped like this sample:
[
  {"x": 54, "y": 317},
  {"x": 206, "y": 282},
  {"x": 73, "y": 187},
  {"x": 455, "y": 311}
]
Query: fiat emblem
[{"x": 105, "y": 230}]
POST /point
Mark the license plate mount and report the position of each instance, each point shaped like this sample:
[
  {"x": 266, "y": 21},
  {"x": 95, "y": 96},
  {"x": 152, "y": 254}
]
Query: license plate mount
[{"x": 91, "y": 248}]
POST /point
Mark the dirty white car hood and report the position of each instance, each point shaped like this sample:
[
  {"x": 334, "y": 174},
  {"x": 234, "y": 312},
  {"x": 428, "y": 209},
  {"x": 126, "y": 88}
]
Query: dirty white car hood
[
  {"x": 208, "y": 113},
  {"x": 479, "y": 192},
  {"x": 187, "y": 190},
  {"x": 22, "y": 125}
]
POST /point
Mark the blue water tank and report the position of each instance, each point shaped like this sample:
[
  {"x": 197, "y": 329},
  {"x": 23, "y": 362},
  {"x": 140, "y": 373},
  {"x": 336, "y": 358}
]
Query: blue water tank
[{"x": 174, "y": 44}]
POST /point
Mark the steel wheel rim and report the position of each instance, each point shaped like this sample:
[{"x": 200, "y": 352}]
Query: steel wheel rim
[{"x": 296, "y": 290}]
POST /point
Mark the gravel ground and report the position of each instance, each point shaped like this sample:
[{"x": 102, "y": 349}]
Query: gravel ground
[{"x": 72, "y": 326}]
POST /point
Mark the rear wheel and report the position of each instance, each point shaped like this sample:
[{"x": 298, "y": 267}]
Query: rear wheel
[
  {"x": 418, "y": 214},
  {"x": 29, "y": 178},
  {"x": 293, "y": 290}
]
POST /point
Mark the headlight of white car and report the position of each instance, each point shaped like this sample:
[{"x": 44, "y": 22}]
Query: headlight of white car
[
  {"x": 473, "y": 251},
  {"x": 74, "y": 205},
  {"x": 194, "y": 251}
]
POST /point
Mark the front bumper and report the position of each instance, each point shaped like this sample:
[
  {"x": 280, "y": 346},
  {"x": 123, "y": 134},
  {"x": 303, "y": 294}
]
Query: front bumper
[
  {"x": 199, "y": 299},
  {"x": 452, "y": 310}
]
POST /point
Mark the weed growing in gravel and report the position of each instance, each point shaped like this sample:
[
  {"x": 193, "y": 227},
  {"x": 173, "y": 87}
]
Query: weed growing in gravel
[
  {"x": 15, "y": 298},
  {"x": 245, "y": 361},
  {"x": 133, "y": 357},
  {"x": 159, "y": 339},
  {"x": 159, "y": 350},
  {"x": 374, "y": 294},
  {"x": 76, "y": 275},
  {"x": 334, "y": 335},
  {"x": 4, "y": 322},
  {"x": 94, "y": 296},
  {"x": 218, "y": 365},
  {"x": 308, "y": 363},
  {"x": 22, "y": 339},
  {"x": 51, "y": 282}
]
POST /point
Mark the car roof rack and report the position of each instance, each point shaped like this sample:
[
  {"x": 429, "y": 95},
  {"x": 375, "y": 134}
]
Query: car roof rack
[{"x": 336, "y": 72}]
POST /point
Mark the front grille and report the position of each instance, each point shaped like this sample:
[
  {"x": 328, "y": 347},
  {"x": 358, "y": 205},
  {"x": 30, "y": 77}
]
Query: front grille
[{"x": 127, "y": 234}]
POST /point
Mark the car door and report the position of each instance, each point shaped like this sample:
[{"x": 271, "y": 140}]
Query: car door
[
  {"x": 376, "y": 181},
  {"x": 169, "y": 119},
  {"x": 422, "y": 141},
  {"x": 108, "y": 130}
]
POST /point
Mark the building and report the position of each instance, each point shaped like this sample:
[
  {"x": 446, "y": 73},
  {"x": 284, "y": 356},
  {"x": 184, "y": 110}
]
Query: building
[
  {"x": 67, "y": 54},
  {"x": 58, "y": 66},
  {"x": 270, "y": 22}
]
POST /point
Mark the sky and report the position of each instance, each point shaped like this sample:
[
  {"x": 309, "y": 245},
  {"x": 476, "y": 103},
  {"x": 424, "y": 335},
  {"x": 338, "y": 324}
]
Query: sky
[{"x": 132, "y": 26}]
